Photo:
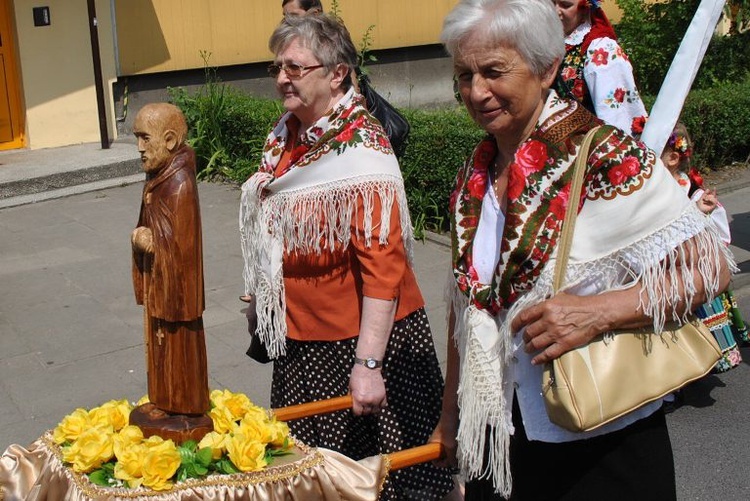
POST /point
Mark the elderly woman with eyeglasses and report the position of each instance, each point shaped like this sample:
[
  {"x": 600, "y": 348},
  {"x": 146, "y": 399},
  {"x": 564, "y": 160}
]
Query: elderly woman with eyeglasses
[
  {"x": 640, "y": 255},
  {"x": 327, "y": 241}
]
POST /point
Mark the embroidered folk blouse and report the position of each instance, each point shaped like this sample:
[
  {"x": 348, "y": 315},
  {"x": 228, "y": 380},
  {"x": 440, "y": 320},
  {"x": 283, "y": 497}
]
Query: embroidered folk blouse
[{"x": 602, "y": 80}]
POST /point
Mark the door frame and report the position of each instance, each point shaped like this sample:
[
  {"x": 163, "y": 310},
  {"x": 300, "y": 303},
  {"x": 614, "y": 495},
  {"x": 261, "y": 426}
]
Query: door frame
[{"x": 13, "y": 82}]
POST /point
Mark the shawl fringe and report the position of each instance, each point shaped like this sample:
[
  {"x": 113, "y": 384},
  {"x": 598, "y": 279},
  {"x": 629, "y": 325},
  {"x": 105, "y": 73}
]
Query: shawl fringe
[
  {"x": 307, "y": 221},
  {"x": 322, "y": 218}
]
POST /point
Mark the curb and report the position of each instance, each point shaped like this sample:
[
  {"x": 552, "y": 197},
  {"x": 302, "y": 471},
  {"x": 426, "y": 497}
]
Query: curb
[
  {"x": 442, "y": 239},
  {"x": 62, "y": 180},
  {"x": 729, "y": 187},
  {"x": 74, "y": 189}
]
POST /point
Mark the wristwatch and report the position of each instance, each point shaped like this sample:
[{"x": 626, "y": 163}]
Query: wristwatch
[{"x": 370, "y": 363}]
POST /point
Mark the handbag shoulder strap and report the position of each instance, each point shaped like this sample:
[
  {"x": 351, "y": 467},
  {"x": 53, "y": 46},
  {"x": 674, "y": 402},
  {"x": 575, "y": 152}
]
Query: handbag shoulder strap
[{"x": 566, "y": 235}]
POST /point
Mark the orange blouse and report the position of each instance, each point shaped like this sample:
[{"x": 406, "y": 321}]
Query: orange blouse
[{"x": 324, "y": 292}]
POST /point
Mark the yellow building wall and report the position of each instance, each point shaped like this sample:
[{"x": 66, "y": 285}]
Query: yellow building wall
[
  {"x": 168, "y": 35},
  {"x": 57, "y": 72}
]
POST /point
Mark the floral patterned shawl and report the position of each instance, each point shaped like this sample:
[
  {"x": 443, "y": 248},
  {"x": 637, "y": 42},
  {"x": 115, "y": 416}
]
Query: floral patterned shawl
[
  {"x": 311, "y": 208},
  {"x": 632, "y": 218}
]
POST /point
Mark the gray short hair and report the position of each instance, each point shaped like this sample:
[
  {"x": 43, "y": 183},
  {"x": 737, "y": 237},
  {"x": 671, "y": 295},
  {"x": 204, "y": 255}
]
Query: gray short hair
[
  {"x": 532, "y": 27},
  {"x": 324, "y": 35}
]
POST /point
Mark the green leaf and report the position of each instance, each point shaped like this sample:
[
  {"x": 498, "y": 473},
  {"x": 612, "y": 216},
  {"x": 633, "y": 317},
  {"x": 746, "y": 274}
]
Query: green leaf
[
  {"x": 204, "y": 456},
  {"x": 224, "y": 465},
  {"x": 109, "y": 467},
  {"x": 190, "y": 445},
  {"x": 100, "y": 477},
  {"x": 278, "y": 452},
  {"x": 185, "y": 473},
  {"x": 186, "y": 455}
]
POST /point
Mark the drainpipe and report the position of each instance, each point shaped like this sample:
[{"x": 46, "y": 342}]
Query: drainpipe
[{"x": 98, "y": 80}]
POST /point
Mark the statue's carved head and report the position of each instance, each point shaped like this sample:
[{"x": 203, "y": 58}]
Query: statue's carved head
[{"x": 160, "y": 129}]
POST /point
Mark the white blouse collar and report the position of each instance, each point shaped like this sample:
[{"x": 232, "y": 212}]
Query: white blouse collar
[{"x": 576, "y": 36}]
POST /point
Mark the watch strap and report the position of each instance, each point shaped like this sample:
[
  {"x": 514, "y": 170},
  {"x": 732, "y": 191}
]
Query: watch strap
[{"x": 370, "y": 362}]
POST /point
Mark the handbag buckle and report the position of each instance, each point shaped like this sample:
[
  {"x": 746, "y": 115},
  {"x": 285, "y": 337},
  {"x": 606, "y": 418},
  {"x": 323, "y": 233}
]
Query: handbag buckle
[{"x": 548, "y": 385}]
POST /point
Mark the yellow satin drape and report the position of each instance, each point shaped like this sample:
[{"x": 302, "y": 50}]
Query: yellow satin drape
[{"x": 37, "y": 473}]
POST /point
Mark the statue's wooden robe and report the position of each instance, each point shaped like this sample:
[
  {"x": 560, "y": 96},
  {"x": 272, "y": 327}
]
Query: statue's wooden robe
[{"x": 170, "y": 284}]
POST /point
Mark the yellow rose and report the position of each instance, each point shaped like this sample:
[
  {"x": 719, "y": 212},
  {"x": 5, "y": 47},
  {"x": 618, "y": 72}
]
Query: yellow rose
[
  {"x": 255, "y": 412},
  {"x": 160, "y": 464},
  {"x": 237, "y": 403},
  {"x": 154, "y": 441},
  {"x": 129, "y": 465},
  {"x": 114, "y": 412},
  {"x": 279, "y": 432},
  {"x": 222, "y": 418},
  {"x": 143, "y": 400},
  {"x": 218, "y": 397},
  {"x": 247, "y": 455},
  {"x": 93, "y": 447},
  {"x": 127, "y": 438},
  {"x": 255, "y": 429},
  {"x": 71, "y": 427},
  {"x": 216, "y": 442}
]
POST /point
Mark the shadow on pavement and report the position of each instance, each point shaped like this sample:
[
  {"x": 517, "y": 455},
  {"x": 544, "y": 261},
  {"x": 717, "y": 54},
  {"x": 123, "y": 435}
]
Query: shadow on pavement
[
  {"x": 698, "y": 394},
  {"x": 739, "y": 230}
]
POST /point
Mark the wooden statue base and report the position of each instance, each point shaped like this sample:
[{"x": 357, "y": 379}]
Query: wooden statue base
[{"x": 176, "y": 427}]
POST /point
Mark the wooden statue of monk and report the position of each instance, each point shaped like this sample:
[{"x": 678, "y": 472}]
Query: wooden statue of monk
[{"x": 168, "y": 264}]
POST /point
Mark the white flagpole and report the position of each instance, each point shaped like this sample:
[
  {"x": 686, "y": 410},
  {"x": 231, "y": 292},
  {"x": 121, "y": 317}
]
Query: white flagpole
[{"x": 682, "y": 71}]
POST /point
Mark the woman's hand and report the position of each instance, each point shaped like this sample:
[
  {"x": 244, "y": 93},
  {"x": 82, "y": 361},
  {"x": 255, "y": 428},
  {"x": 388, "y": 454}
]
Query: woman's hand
[
  {"x": 368, "y": 390},
  {"x": 708, "y": 201},
  {"x": 561, "y": 324}
]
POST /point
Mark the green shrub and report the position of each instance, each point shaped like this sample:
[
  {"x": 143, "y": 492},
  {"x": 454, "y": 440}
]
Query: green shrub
[
  {"x": 438, "y": 144},
  {"x": 650, "y": 33},
  {"x": 717, "y": 121}
]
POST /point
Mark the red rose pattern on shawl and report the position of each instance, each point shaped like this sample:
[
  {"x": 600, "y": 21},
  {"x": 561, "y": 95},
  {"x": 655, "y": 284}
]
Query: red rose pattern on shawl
[
  {"x": 538, "y": 194},
  {"x": 343, "y": 127},
  {"x": 531, "y": 157}
]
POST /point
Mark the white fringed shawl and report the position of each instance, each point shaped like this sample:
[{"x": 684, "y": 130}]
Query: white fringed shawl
[
  {"x": 313, "y": 207},
  {"x": 629, "y": 229}
]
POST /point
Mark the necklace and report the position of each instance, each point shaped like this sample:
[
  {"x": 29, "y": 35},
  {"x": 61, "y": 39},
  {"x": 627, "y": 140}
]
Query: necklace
[{"x": 498, "y": 174}]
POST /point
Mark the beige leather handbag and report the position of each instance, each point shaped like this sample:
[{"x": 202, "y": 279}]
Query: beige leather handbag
[{"x": 597, "y": 383}]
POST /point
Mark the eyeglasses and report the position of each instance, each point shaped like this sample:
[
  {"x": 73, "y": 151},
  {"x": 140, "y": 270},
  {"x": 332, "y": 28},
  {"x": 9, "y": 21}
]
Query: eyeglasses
[{"x": 292, "y": 70}]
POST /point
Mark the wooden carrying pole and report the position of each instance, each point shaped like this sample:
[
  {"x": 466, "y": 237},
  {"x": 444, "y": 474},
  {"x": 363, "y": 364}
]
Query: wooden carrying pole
[
  {"x": 398, "y": 460},
  {"x": 313, "y": 408},
  {"x": 415, "y": 455}
]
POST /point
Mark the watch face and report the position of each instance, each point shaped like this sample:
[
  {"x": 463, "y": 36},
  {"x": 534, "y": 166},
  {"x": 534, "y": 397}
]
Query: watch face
[{"x": 371, "y": 363}]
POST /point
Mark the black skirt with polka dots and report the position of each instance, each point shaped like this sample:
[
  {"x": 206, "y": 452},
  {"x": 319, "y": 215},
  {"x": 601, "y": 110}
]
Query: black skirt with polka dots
[{"x": 315, "y": 370}]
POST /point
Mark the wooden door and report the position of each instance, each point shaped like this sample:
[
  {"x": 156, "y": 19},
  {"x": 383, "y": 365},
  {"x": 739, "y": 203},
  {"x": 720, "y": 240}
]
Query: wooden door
[{"x": 11, "y": 123}]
